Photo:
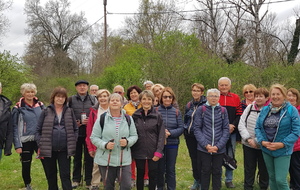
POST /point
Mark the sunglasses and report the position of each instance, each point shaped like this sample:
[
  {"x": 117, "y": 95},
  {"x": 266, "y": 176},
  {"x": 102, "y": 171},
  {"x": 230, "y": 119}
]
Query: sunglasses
[
  {"x": 248, "y": 92},
  {"x": 118, "y": 92},
  {"x": 165, "y": 97}
]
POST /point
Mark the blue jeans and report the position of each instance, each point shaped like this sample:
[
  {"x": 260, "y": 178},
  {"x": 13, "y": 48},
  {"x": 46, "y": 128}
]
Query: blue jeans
[
  {"x": 229, "y": 173},
  {"x": 166, "y": 169}
]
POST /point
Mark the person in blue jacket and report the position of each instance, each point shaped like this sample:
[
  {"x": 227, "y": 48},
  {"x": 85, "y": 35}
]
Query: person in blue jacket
[
  {"x": 211, "y": 129},
  {"x": 174, "y": 128},
  {"x": 277, "y": 129}
]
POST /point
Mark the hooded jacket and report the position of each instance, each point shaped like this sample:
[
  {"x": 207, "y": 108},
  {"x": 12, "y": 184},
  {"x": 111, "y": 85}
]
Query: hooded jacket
[
  {"x": 6, "y": 132},
  {"x": 100, "y": 138},
  {"x": 211, "y": 127},
  {"x": 151, "y": 134},
  {"x": 287, "y": 132}
]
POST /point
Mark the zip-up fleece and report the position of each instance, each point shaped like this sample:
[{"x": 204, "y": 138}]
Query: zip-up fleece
[
  {"x": 151, "y": 133},
  {"x": 173, "y": 122},
  {"x": 288, "y": 130},
  {"x": 211, "y": 127},
  {"x": 52, "y": 135},
  {"x": 24, "y": 126},
  {"x": 6, "y": 133},
  {"x": 100, "y": 138},
  {"x": 190, "y": 110}
]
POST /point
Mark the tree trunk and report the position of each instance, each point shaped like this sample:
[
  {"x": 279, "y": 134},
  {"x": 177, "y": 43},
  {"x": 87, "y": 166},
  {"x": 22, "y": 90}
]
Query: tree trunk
[{"x": 295, "y": 43}]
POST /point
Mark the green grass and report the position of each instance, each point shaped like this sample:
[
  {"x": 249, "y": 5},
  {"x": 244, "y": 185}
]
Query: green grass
[{"x": 10, "y": 171}]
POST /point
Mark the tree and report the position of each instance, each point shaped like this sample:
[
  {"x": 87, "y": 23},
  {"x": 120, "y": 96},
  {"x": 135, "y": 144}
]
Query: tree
[
  {"x": 153, "y": 19},
  {"x": 295, "y": 43},
  {"x": 4, "y": 22},
  {"x": 53, "y": 29}
]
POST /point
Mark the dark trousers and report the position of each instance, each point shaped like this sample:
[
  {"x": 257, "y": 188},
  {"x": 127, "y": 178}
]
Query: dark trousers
[
  {"x": 211, "y": 166},
  {"x": 295, "y": 171},
  {"x": 50, "y": 167},
  {"x": 113, "y": 173},
  {"x": 166, "y": 169},
  {"x": 28, "y": 149},
  {"x": 152, "y": 172},
  {"x": 253, "y": 158},
  {"x": 191, "y": 144},
  {"x": 88, "y": 162}
]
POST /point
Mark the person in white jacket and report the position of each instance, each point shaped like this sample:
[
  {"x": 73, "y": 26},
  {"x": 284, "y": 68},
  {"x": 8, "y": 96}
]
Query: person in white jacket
[{"x": 252, "y": 152}]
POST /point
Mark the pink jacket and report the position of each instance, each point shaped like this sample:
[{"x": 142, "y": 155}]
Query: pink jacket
[
  {"x": 89, "y": 129},
  {"x": 297, "y": 143}
]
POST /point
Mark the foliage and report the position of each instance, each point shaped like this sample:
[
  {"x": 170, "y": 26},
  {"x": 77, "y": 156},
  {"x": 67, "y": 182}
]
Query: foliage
[{"x": 13, "y": 73}]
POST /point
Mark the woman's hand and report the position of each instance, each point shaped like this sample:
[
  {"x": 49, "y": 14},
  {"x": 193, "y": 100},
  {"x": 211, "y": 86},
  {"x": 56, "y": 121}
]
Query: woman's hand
[
  {"x": 19, "y": 150},
  {"x": 167, "y": 133},
  {"x": 252, "y": 143},
  {"x": 155, "y": 158},
  {"x": 110, "y": 145},
  {"x": 92, "y": 154},
  {"x": 272, "y": 145}
]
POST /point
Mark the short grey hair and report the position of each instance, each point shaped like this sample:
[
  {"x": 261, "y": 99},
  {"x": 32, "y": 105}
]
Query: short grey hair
[
  {"x": 119, "y": 86},
  {"x": 28, "y": 86},
  {"x": 148, "y": 94},
  {"x": 224, "y": 78},
  {"x": 148, "y": 82},
  {"x": 93, "y": 85},
  {"x": 116, "y": 95},
  {"x": 213, "y": 90}
]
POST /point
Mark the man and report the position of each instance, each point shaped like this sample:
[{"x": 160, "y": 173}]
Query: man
[
  {"x": 93, "y": 89},
  {"x": 148, "y": 84},
  {"x": 81, "y": 103},
  {"x": 232, "y": 103},
  {"x": 6, "y": 134},
  {"x": 120, "y": 90}
]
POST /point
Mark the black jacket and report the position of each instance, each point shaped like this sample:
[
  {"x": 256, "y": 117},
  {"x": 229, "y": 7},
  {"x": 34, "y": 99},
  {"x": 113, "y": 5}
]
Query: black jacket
[
  {"x": 6, "y": 132},
  {"x": 151, "y": 134}
]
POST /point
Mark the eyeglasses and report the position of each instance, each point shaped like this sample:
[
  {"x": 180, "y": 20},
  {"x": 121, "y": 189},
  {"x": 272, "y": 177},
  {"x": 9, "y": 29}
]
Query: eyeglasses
[
  {"x": 165, "y": 97},
  {"x": 213, "y": 96},
  {"x": 248, "y": 92},
  {"x": 196, "y": 91},
  {"x": 118, "y": 92}
]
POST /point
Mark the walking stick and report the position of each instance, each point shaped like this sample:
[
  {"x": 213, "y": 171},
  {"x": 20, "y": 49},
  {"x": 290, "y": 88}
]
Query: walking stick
[
  {"x": 121, "y": 163},
  {"x": 108, "y": 160}
]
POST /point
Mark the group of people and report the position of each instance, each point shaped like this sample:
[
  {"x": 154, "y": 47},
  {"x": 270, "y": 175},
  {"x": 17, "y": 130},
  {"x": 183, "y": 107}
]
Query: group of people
[{"x": 135, "y": 141}]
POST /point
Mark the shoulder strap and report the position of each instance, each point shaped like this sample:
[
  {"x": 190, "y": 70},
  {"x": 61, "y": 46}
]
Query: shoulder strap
[
  {"x": 177, "y": 112},
  {"x": 128, "y": 119},
  {"x": 102, "y": 119},
  {"x": 189, "y": 104},
  {"x": 248, "y": 115},
  {"x": 203, "y": 110}
]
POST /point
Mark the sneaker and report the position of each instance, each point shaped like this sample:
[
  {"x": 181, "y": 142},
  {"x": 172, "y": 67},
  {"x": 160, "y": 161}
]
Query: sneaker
[
  {"x": 146, "y": 182},
  {"x": 75, "y": 185},
  {"x": 229, "y": 184},
  {"x": 88, "y": 186},
  {"x": 195, "y": 186},
  {"x": 132, "y": 183},
  {"x": 28, "y": 187}
]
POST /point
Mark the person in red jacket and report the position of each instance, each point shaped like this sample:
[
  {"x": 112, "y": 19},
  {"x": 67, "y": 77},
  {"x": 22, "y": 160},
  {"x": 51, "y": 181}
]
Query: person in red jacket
[
  {"x": 293, "y": 96},
  {"x": 95, "y": 112},
  {"x": 234, "y": 109}
]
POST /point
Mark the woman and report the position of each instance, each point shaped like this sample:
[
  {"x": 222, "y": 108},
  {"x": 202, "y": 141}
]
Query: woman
[
  {"x": 174, "y": 128},
  {"x": 132, "y": 105},
  {"x": 156, "y": 90},
  {"x": 277, "y": 129},
  {"x": 99, "y": 108},
  {"x": 211, "y": 129},
  {"x": 56, "y": 137},
  {"x": 252, "y": 153},
  {"x": 293, "y": 97},
  {"x": 25, "y": 117},
  {"x": 191, "y": 142},
  {"x": 113, "y": 140},
  {"x": 248, "y": 92},
  {"x": 151, "y": 132}
]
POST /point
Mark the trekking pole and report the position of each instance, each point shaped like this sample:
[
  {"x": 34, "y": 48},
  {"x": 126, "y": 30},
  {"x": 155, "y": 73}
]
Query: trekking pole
[
  {"x": 121, "y": 163},
  {"x": 108, "y": 160}
]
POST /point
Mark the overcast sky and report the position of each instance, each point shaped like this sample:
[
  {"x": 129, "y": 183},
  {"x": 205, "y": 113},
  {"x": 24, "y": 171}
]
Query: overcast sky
[{"x": 15, "y": 39}]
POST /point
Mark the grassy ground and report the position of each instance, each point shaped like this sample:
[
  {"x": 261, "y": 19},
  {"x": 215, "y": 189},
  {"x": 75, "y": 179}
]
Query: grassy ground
[{"x": 10, "y": 172}]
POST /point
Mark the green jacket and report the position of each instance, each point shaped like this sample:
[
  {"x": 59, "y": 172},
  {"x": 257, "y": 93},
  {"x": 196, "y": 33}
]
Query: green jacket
[{"x": 100, "y": 138}]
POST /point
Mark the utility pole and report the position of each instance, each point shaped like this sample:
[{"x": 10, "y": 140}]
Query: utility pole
[{"x": 105, "y": 29}]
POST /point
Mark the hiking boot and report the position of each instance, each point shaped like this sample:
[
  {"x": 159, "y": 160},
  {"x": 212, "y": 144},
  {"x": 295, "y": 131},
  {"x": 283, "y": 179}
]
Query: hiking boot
[
  {"x": 75, "y": 185},
  {"x": 28, "y": 187},
  {"x": 195, "y": 186},
  {"x": 229, "y": 184}
]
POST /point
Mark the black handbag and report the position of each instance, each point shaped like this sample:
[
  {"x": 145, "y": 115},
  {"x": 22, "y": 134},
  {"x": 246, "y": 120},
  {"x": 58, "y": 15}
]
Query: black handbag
[{"x": 229, "y": 162}]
